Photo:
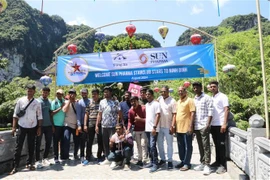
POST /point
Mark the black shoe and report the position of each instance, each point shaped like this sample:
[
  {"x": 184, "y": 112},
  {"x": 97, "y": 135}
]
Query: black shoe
[
  {"x": 148, "y": 165},
  {"x": 139, "y": 163},
  {"x": 170, "y": 165},
  {"x": 161, "y": 162},
  {"x": 214, "y": 164},
  {"x": 178, "y": 166}
]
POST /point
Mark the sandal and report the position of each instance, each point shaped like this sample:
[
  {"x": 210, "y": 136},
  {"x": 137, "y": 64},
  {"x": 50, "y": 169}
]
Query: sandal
[
  {"x": 32, "y": 168},
  {"x": 14, "y": 170}
]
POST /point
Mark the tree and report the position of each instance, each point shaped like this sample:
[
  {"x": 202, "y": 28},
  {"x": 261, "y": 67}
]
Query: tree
[{"x": 3, "y": 62}]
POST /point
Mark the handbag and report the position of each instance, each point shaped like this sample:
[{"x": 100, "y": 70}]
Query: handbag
[{"x": 21, "y": 113}]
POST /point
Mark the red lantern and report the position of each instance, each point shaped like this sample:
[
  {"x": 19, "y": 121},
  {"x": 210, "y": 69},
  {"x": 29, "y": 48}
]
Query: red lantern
[
  {"x": 156, "y": 89},
  {"x": 186, "y": 84},
  {"x": 72, "y": 49},
  {"x": 131, "y": 29},
  {"x": 195, "y": 39}
]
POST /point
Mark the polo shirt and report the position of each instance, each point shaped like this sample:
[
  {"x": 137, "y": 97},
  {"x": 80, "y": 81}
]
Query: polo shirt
[
  {"x": 168, "y": 107},
  {"x": 32, "y": 113},
  {"x": 59, "y": 117},
  {"x": 183, "y": 114},
  {"x": 220, "y": 101},
  {"x": 46, "y": 111},
  {"x": 152, "y": 109}
]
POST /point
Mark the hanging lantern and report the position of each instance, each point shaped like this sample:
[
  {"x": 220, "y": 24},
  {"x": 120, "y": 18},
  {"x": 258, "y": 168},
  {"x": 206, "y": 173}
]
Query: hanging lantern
[
  {"x": 45, "y": 80},
  {"x": 186, "y": 84},
  {"x": 171, "y": 90},
  {"x": 163, "y": 31},
  {"x": 119, "y": 85},
  {"x": 3, "y": 5},
  {"x": 72, "y": 49},
  {"x": 195, "y": 39},
  {"x": 156, "y": 89},
  {"x": 131, "y": 29},
  {"x": 228, "y": 69}
]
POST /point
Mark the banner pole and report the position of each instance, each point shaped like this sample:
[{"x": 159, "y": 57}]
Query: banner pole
[
  {"x": 55, "y": 75},
  {"x": 216, "y": 58}
]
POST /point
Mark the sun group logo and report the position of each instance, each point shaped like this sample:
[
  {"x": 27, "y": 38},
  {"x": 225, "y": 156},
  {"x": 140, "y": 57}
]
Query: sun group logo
[
  {"x": 119, "y": 60},
  {"x": 158, "y": 57},
  {"x": 143, "y": 58},
  {"x": 76, "y": 70}
]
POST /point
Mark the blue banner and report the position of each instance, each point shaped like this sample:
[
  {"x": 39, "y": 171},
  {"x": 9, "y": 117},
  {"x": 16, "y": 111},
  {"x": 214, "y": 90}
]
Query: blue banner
[{"x": 137, "y": 65}]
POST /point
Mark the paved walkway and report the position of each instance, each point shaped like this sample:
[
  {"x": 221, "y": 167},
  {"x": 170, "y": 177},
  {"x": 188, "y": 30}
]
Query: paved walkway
[{"x": 75, "y": 170}]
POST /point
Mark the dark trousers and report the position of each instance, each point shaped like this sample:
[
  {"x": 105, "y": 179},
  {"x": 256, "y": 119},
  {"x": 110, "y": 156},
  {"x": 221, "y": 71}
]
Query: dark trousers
[
  {"x": 204, "y": 145},
  {"x": 22, "y": 132},
  {"x": 66, "y": 142},
  {"x": 219, "y": 141},
  {"x": 106, "y": 135},
  {"x": 58, "y": 137},
  {"x": 82, "y": 140},
  {"x": 184, "y": 142},
  {"x": 90, "y": 141},
  {"x": 47, "y": 131},
  {"x": 152, "y": 143},
  {"x": 120, "y": 155}
]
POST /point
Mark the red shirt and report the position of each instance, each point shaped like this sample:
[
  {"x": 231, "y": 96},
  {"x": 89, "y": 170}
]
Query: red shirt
[{"x": 132, "y": 113}]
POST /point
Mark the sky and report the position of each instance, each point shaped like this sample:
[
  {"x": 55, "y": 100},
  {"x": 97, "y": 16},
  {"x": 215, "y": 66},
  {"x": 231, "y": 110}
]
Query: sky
[{"x": 193, "y": 13}]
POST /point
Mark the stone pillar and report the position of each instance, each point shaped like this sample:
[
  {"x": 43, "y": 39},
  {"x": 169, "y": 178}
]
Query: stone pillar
[{"x": 256, "y": 123}]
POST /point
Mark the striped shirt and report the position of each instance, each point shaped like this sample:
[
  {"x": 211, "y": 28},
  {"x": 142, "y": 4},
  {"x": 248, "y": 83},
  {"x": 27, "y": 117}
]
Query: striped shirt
[
  {"x": 92, "y": 110},
  {"x": 204, "y": 109}
]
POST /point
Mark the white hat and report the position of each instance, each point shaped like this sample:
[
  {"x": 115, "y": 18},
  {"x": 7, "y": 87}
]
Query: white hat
[{"x": 60, "y": 91}]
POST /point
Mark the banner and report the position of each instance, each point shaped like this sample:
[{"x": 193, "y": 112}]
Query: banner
[
  {"x": 137, "y": 65},
  {"x": 134, "y": 89}
]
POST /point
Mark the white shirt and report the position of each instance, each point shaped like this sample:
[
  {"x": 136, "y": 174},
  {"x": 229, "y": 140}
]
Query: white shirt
[
  {"x": 32, "y": 114},
  {"x": 151, "y": 109},
  {"x": 220, "y": 101},
  {"x": 168, "y": 107},
  {"x": 70, "y": 116}
]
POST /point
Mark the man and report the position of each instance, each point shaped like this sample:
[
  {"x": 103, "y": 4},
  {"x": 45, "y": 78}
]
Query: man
[
  {"x": 80, "y": 108},
  {"x": 202, "y": 124},
  {"x": 70, "y": 125},
  {"x": 219, "y": 126},
  {"x": 143, "y": 99},
  {"x": 185, "y": 112},
  {"x": 47, "y": 129},
  {"x": 121, "y": 146},
  {"x": 29, "y": 123},
  {"x": 125, "y": 106},
  {"x": 90, "y": 122},
  {"x": 167, "y": 113},
  {"x": 109, "y": 114},
  {"x": 136, "y": 118},
  {"x": 152, "y": 128},
  {"x": 58, "y": 121}
]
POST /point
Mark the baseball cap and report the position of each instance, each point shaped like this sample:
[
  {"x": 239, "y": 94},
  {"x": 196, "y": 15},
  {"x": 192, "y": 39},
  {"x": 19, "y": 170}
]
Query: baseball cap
[
  {"x": 72, "y": 91},
  {"x": 84, "y": 90},
  {"x": 60, "y": 91}
]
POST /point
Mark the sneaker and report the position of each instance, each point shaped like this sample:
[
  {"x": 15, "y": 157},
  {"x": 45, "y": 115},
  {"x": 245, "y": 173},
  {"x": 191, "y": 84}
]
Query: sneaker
[
  {"x": 56, "y": 161},
  {"x": 139, "y": 163},
  {"x": 85, "y": 162},
  {"x": 178, "y": 166},
  {"x": 214, "y": 164},
  {"x": 82, "y": 160},
  {"x": 154, "y": 168},
  {"x": 221, "y": 169},
  {"x": 206, "y": 170},
  {"x": 92, "y": 158},
  {"x": 105, "y": 162},
  {"x": 113, "y": 165},
  {"x": 161, "y": 162},
  {"x": 170, "y": 165},
  {"x": 148, "y": 165},
  {"x": 39, "y": 165},
  {"x": 200, "y": 167},
  {"x": 46, "y": 162},
  {"x": 184, "y": 168}
]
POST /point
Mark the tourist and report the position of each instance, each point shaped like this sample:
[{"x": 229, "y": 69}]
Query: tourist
[
  {"x": 125, "y": 106},
  {"x": 185, "y": 112},
  {"x": 28, "y": 118},
  {"x": 167, "y": 113},
  {"x": 202, "y": 126}
]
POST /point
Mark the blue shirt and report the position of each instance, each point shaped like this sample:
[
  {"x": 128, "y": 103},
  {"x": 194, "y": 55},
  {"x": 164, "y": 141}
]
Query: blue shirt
[
  {"x": 125, "y": 106},
  {"x": 80, "y": 110}
]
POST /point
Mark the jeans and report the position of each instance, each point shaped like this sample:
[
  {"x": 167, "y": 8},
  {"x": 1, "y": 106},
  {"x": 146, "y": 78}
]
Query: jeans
[
  {"x": 165, "y": 132},
  {"x": 204, "y": 145},
  {"x": 66, "y": 142},
  {"x": 82, "y": 140},
  {"x": 219, "y": 141},
  {"x": 47, "y": 131},
  {"x": 58, "y": 137},
  {"x": 22, "y": 132},
  {"x": 141, "y": 140},
  {"x": 106, "y": 135},
  {"x": 120, "y": 155},
  {"x": 90, "y": 140},
  {"x": 152, "y": 143},
  {"x": 184, "y": 142}
]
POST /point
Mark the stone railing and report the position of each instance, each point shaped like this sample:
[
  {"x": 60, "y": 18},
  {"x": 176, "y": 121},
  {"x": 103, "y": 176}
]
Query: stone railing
[{"x": 250, "y": 150}]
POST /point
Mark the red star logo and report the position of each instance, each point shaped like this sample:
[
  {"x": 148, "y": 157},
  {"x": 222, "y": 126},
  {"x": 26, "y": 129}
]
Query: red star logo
[{"x": 76, "y": 68}]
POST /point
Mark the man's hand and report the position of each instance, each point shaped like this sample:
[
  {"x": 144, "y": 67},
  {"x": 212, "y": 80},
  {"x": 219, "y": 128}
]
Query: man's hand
[
  {"x": 85, "y": 128},
  {"x": 39, "y": 131},
  {"x": 13, "y": 131},
  {"x": 137, "y": 118},
  {"x": 207, "y": 128},
  {"x": 223, "y": 128},
  {"x": 190, "y": 130},
  {"x": 80, "y": 129},
  {"x": 154, "y": 132},
  {"x": 97, "y": 130},
  {"x": 172, "y": 130}
]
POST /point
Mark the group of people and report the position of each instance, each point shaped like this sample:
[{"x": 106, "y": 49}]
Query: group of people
[{"x": 146, "y": 120}]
